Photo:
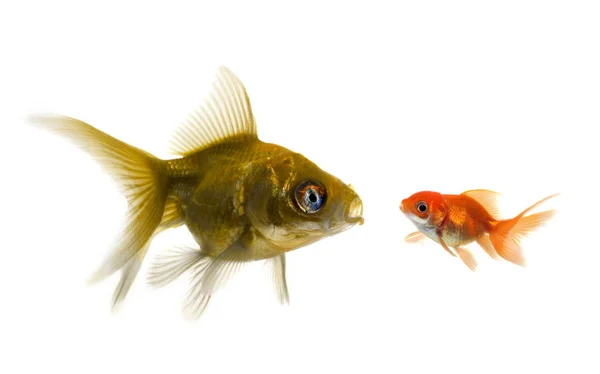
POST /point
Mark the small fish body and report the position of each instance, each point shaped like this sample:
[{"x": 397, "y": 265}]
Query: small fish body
[
  {"x": 457, "y": 220},
  {"x": 241, "y": 199}
]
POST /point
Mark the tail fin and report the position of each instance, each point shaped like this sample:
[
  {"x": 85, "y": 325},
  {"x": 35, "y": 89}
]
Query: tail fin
[
  {"x": 507, "y": 234},
  {"x": 143, "y": 181}
]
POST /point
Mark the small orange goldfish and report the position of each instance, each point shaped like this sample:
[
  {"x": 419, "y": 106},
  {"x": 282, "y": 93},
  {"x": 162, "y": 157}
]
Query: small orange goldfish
[{"x": 457, "y": 220}]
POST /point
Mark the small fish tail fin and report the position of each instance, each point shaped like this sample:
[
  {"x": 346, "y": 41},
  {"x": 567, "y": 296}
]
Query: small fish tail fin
[
  {"x": 507, "y": 234},
  {"x": 141, "y": 177}
]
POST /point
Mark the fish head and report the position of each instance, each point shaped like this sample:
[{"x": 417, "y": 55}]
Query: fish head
[
  {"x": 426, "y": 209},
  {"x": 294, "y": 203}
]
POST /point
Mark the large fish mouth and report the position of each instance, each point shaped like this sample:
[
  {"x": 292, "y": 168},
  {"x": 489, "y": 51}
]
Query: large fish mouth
[{"x": 354, "y": 212}]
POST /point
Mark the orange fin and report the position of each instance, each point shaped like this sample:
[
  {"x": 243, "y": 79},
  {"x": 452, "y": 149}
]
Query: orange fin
[
  {"x": 507, "y": 234},
  {"x": 415, "y": 237},
  {"x": 487, "y": 199},
  {"x": 466, "y": 257},
  {"x": 445, "y": 246},
  {"x": 486, "y": 244}
]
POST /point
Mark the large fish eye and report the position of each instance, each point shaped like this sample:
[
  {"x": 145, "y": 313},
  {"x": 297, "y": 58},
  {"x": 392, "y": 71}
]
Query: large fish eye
[
  {"x": 421, "y": 207},
  {"x": 310, "y": 196}
]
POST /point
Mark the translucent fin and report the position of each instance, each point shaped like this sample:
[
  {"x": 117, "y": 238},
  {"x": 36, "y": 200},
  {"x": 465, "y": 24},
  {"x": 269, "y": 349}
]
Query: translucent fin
[
  {"x": 467, "y": 257},
  {"x": 195, "y": 306},
  {"x": 172, "y": 217},
  {"x": 507, "y": 234},
  {"x": 487, "y": 199},
  {"x": 486, "y": 244},
  {"x": 225, "y": 114},
  {"x": 509, "y": 248},
  {"x": 207, "y": 274},
  {"x": 443, "y": 244},
  {"x": 170, "y": 265},
  {"x": 128, "y": 274},
  {"x": 223, "y": 268},
  {"x": 139, "y": 175},
  {"x": 277, "y": 265},
  {"x": 196, "y": 301},
  {"x": 528, "y": 224},
  {"x": 173, "y": 263},
  {"x": 415, "y": 237}
]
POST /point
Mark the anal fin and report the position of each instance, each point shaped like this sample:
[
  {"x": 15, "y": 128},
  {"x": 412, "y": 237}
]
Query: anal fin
[{"x": 485, "y": 243}]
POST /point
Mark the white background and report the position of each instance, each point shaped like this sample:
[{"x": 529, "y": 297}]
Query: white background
[{"x": 392, "y": 97}]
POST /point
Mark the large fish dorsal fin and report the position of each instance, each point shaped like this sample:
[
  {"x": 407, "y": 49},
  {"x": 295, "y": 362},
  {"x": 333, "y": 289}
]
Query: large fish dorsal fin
[{"x": 226, "y": 113}]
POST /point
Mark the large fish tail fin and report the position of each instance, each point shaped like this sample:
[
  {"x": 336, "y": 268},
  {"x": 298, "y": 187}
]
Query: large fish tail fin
[
  {"x": 143, "y": 180},
  {"x": 507, "y": 234}
]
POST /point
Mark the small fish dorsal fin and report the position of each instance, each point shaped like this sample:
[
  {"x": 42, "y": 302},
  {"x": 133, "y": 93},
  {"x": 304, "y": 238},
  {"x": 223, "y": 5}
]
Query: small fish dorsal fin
[
  {"x": 487, "y": 199},
  {"x": 225, "y": 114}
]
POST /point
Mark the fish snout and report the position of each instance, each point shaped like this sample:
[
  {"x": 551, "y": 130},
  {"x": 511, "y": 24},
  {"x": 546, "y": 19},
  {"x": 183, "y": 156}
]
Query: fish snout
[
  {"x": 354, "y": 212},
  {"x": 403, "y": 206}
]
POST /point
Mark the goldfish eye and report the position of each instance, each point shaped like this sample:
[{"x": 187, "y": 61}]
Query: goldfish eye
[
  {"x": 310, "y": 196},
  {"x": 421, "y": 207}
]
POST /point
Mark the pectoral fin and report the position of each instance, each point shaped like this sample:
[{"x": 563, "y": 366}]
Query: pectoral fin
[
  {"x": 277, "y": 264},
  {"x": 444, "y": 245},
  {"x": 415, "y": 237}
]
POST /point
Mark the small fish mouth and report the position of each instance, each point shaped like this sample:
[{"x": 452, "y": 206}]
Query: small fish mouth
[
  {"x": 403, "y": 206},
  {"x": 354, "y": 212}
]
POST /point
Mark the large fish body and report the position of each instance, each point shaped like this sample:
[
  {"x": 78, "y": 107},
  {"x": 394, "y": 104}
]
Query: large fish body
[{"x": 242, "y": 199}]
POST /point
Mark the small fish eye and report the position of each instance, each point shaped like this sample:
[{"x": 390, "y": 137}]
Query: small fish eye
[
  {"x": 422, "y": 206},
  {"x": 310, "y": 196}
]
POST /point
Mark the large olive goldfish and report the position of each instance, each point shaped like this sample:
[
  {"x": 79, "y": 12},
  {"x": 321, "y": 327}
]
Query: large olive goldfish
[
  {"x": 457, "y": 220},
  {"x": 242, "y": 199}
]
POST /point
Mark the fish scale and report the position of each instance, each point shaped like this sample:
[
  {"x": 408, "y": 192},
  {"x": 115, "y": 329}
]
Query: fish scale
[
  {"x": 457, "y": 220},
  {"x": 241, "y": 199}
]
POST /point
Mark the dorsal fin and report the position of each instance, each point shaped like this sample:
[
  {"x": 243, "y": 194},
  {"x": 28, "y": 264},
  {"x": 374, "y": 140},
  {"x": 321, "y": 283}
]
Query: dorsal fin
[
  {"x": 487, "y": 199},
  {"x": 225, "y": 114}
]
